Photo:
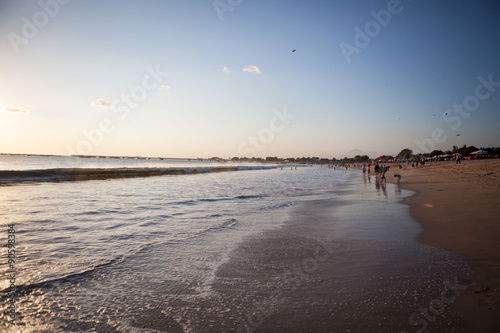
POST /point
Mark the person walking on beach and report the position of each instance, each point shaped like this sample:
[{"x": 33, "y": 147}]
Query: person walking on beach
[
  {"x": 382, "y": 178},
  {"x": 458, "y": 158}
]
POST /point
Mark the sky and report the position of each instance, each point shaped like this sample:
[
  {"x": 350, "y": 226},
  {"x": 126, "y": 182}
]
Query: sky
[{"x": 202, "y": 78}]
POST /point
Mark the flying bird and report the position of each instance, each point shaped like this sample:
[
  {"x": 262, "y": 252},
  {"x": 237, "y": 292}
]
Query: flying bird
[
  {"x": 458, "y": 134},
  {"x": 294, "y": 50}
]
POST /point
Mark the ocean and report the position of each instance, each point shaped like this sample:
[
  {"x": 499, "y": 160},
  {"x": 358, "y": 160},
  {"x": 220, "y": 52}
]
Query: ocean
[{"x": 134, "y": 245}]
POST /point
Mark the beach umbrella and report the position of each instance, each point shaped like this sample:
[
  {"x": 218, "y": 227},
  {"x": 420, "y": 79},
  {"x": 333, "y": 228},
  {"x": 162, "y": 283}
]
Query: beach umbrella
[{"x": 480, "y": 152}]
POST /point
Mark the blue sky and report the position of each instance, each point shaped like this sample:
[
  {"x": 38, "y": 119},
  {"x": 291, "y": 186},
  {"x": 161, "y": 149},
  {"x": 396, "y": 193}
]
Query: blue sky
[{"x": 68, "y": 66}]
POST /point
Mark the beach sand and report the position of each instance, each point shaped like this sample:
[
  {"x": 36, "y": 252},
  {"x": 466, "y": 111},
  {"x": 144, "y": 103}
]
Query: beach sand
[
  {"x": 457, "y": 205},
  {"x": 300, "y": 279},
  {"x": 339, "y": 265}
]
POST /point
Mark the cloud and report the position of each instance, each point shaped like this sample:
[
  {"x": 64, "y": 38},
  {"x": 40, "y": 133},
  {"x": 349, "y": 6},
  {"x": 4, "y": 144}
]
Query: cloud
[
  {"x": 15, "y": 109},
  {"x": 101, "y": 103},
  {"x": 226, "y": 69},
  {"x": 164, "y": 87},
  {"x": 251, "y": 69}
]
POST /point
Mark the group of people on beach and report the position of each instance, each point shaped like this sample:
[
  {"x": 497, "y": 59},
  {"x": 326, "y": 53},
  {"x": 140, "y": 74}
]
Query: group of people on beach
[
  {"x": 380, "y": 172},
  {"x": 416, "y": 163}
]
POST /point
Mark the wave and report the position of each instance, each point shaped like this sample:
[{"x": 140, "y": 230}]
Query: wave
[
  {"x": 27, "y": 288},
  {"x": 12, "y": 177},
  {"x": 278, "y": 206},
  {"x": 250, "y": 196},
  {"x": 226, "y": 224}
]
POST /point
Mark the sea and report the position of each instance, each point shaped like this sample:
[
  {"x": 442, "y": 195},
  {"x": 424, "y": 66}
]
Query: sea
[{"x": 111, "y": 244}]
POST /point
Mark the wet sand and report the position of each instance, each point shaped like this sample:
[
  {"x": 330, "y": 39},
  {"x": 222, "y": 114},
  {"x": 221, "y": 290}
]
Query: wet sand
[
  {"x": 457, "y": 206},
  {"x": 341, "y": 265}
]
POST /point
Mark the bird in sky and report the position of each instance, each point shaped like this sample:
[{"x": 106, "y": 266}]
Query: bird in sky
[{"x": 294, "y": 50}]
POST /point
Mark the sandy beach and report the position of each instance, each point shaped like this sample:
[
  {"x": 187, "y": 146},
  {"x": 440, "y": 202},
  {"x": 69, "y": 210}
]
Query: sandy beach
[
  {"x": 378, "y": 284},
  {"x": 344, "y": 264},
  {"x": 457, "y": 205}
]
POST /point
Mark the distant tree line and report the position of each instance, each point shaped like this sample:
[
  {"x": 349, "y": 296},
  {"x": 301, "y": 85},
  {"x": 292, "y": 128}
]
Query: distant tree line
[
  {"x": 275, "y": 159},
  {"x": 404, "y": 154},
  {"x": 464, "y": 150}
]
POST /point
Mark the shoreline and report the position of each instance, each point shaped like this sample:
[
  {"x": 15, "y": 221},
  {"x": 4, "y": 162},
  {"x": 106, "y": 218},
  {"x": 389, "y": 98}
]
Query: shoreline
[
  {"x": 345, "y": 263},
  {"x": 456, "y": 204}
]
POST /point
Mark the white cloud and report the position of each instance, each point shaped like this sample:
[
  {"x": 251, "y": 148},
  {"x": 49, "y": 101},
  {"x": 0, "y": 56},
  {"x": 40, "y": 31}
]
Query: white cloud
[
  {"x": 226, "y": 69},
  {"x": 15, "y": 109},
  {"x": 164, "y": 87},
  {"x": 101, "y": 103},
  {"x": 251, "y": 69}
]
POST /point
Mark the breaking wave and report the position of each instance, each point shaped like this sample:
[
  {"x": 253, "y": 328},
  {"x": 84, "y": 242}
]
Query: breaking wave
[{"x": 12, "y": 177}]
